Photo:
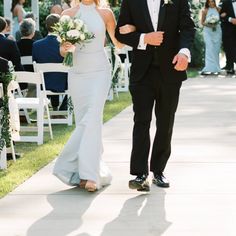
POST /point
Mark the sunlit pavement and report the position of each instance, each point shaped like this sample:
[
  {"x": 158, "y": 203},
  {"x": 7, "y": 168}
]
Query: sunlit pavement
[{"x": 202, "y": 172}]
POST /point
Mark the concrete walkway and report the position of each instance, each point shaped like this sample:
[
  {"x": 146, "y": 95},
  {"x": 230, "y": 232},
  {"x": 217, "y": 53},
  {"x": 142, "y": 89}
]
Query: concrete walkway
[{"x": 202, "y": 171}]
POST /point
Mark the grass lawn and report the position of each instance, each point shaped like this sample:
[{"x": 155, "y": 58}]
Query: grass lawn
[
  {"x": 193, "y": 72},
  {"x": 35, "y": 157}
]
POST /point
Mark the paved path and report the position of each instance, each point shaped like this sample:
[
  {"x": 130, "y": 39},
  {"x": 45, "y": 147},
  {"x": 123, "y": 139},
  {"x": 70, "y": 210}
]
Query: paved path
[{"x": 200, "y": 202}]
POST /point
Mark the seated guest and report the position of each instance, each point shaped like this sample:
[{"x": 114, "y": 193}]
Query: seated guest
[
  {"x": 47, "y": 50},
  {"x": 4, "y": 68},
  {"x": 7, "y": 30},
  {"x": 27, "y": 29},
  {"x": 37, "y": 34},
  {"x": 8, "y": 48}
]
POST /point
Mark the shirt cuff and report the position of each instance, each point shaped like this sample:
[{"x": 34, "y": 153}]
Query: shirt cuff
[
  {"x": 186, "y": 52},
  {"x": 142, "y": 45},
  {"x": 229, "y": 19}
]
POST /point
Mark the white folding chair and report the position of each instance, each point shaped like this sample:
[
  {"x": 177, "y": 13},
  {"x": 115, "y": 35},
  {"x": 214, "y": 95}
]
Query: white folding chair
[
  {"x": 123, "y": 85},
  {"x": 38, "y": 103},
  {"x": 26, "y": 60},
  {"x": 117, "y": 64},
  {"x": 67, "y": 116}
]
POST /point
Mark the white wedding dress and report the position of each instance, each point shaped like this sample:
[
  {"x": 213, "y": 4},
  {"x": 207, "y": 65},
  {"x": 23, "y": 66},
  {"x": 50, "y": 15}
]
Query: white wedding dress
[{"x": 88, "y": 82}]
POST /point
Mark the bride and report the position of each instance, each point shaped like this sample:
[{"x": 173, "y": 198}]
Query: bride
[{"x": 89, "y": 80}]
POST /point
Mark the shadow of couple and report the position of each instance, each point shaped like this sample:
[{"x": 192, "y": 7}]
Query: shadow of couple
[{"x": 142, "y": 215}]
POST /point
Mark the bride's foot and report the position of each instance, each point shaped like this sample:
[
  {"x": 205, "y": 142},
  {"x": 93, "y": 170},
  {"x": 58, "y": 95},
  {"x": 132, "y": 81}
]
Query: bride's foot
[
  {"x": 90, "y": 186},
  {"x": 82, "y": 183}
]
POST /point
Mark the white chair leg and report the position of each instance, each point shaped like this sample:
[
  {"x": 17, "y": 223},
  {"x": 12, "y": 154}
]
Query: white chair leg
[
  {"x": 27, "y": 116},
  {"x": 40, "y": 125},
  {"x": 3, "y": 159},
  {"x": 13, "y": 151},
  {"x": 49, "y": 122},
  {"x": 70, "y": 118}
]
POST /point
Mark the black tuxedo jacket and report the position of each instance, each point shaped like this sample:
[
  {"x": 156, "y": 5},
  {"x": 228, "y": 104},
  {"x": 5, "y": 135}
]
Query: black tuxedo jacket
[
  {"x": 174, "y": 19},
  {"x": 25, "y": 47},
  {"x": 227, "y": 7},
  {"x": 3, "y": 66},
  {"x": 10, "y": 51}
]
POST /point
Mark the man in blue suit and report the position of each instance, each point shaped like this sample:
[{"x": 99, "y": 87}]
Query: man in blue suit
[
  {"x": 8, "y": 48},
  {"x": 47, "y": 50}
]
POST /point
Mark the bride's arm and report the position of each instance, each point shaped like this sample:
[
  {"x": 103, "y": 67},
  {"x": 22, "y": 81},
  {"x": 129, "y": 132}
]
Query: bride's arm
[{"x": 110, "y": 22}]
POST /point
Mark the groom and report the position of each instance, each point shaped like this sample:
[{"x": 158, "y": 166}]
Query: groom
[{"x": 161, "y": 52}]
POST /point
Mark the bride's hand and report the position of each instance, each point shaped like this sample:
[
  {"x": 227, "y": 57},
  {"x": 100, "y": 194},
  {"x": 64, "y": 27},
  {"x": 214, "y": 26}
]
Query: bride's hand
[
  {"x": 66, "y": 47},
  {"x": 125, "y": 29}
]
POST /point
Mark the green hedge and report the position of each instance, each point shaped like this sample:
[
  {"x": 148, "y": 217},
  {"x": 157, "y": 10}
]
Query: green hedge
[
  {"x": 1, "y": 7},
  {"x": 198, "y": 49},
  {"x": 44, "y": 11}
]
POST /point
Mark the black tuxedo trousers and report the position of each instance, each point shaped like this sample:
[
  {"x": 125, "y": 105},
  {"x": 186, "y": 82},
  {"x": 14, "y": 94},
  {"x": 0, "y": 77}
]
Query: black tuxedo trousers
[{"x": 152, "y": 93}]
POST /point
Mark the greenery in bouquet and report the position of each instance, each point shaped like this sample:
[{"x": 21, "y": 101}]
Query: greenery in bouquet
[
  {"x": 212, "y": 21},
  {"x": 73, "y": 31}
]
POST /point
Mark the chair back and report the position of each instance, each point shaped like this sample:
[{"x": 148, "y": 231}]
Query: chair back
[
  {"x": 50, "y": 67},
  {"x": 26, "y": 60},
  {"x": 32, "y": 78}
]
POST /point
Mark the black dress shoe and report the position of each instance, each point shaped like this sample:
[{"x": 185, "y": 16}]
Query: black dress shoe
[
  {"x": 225, "y": 68},
  {"x": 140, "y": 183},
  {"x": 160, "y": 180},
  {"x": 230, "y": 72}
]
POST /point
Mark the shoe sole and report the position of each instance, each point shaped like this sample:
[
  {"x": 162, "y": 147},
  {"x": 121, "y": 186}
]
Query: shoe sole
[
  {"x": 160, "y": 185},
  {"x": 139, "y": 187}
]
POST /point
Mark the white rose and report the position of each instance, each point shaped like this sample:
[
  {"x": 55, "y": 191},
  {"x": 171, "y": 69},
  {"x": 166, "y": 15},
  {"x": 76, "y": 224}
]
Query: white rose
[
  {"x": 71, "y": 24},
  {"x": 73, "y": 33},
  {"x": 82, "y": 37},
  {"x": 65, "y": 19},
  {"x": 79, "y": 23}
]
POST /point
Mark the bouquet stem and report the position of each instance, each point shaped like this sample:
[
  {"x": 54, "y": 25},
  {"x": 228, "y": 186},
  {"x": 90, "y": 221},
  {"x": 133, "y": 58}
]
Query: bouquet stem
[{"x": 68, "y": 59}]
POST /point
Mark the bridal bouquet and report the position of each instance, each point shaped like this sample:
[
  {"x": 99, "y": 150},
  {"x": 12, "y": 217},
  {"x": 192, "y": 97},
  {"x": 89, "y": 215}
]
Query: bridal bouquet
[
  {"x": 73, "y": 31},
  {"x": 212, "y": 21}
]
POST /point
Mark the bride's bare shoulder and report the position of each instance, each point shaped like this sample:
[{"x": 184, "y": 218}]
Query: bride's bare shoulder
[
  {"x": 106, "y": 12},
  {"x": 70, "y": 12}
]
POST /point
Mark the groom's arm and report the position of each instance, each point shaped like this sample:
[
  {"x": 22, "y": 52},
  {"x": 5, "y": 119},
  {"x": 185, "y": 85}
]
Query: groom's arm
[
  {"x": 186, "y": 26},
  {"x": 131, "y": 39}
]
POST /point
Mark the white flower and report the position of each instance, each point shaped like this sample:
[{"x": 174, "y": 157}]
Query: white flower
[
  {"x": 82, "y": 37},
  {"x": 73, "y": 33},
  {"x": 65, "y": 19},
  {"x": 79, "y": 23},
  {"x": 59, "y": 39},
  {"x": 71, "y": 24}
]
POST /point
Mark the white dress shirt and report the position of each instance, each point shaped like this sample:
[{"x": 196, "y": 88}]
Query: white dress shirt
[
  {"x": 234, "y": 7},
  {"x": 154, "y": 8}
]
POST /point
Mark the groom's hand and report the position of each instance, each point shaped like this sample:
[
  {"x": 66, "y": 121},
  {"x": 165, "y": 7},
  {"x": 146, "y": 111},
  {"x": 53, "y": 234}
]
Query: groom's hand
[
  {"x": 154, "y": 38},
  {"x": 181, "y": 62}
]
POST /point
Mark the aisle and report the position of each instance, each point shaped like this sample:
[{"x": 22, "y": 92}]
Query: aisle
[{"x": 200, "y": 201}]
